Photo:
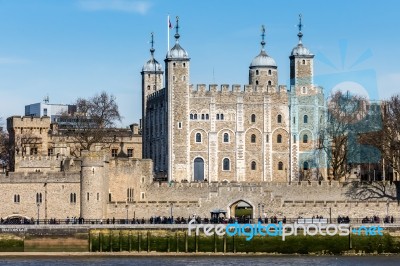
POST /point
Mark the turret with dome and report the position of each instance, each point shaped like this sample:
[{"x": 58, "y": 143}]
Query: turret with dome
[{"x": 263, "y": 68}]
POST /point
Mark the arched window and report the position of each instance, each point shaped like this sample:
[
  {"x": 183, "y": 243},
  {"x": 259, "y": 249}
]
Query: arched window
[
  {"x": 253, "y": 165},
  {"x": 184, "y": 64},
  {"x": 202, "y": 116},
  {"x": 198, "y": 137},
  {"x": 279, "y": 138},
  {"x": 305, "y": 138},
  {"x": 226, "y": 165},
  {"x": 207, "y": 117},
  {"x": 217, "y": 116},
  {"x": 256, "y": 72},
  {"x": 191, "y": 116},
  {"x": 279, "y": 119},
  {"x": 304, "y": 62},
  {"x": 253, "y": 138},
  {"x": 253, "y": 118},
  {"x": 269, "y": 83},
  {"x": 222, "y": 116},
  {"x": 305, "y": 119},
  {"x": 226, "y": 137},
  {"x": 256, "y": 82},
  {"x": 38, "y": 197},
  {"x": 195, "y": 116},
  {"x": 280, "y": 166},
  {"x": 174, "y": 64},
  {"x": 305, "y": 165},
  {"x": 148, "y": 87},
  {"x": 269, "y": 72}
]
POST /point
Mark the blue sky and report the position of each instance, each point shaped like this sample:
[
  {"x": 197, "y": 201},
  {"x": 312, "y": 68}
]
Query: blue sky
[{"x": 75, "y": 48}]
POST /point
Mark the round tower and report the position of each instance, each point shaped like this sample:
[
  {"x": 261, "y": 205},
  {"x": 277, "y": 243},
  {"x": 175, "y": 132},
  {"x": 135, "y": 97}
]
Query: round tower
[
  {"x": 177, "y": 69},
  {"x": 94, "y": 185},
  {"x": 152, "y": 78},
  {"x": 263, "y": 69}
]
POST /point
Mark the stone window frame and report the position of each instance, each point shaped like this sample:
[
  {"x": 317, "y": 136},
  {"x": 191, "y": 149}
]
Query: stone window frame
[
  {"x": 198, "y": 138},
  {"x": 279, "y": 138},
  {"x": 50, "y": 152},
  {"x": 17, "y": 198},
  {"x": 207, "y": 117},
  {"x": 179, "y": 125},
  {"x": 305, "y": 119},
  {"x": 224, "y": 160},
  {"x": 280, "y": 166},
  {"x": 253, "y": 118},
  {"x": 257, "y": 72},
  {"x": 256, "y": 82},
  {"x": 306, "y": 166},
  {"x": 253, "y": 138},
  {"x": 72, "y": 198},
  {"x": 269, "y": 83},
  {"x": 269, "y": 72},
  {"x": 267, "y": 138},
  {"x": 279, "y": 119},
  {"x": 305, "y": 138},
  {"x": 129, "y": 152},
  {"x": 226, "y": 140},
  {"x": 142, "y": 195},
  {"x": 253, "y": 165},
  {"x": 203, "y": 117},
  {"x": 114, "y": 152},
  {"x": 39, "y": 198}
]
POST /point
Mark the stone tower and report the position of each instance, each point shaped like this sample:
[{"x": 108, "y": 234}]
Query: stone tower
[
  {"x": 94, "y": 185},
  {"x": 152, "y": 79},
  {"x": 263, "y": 69},
  {"x": 177, "y": 90},
  {"x": 306, "y": 108}
]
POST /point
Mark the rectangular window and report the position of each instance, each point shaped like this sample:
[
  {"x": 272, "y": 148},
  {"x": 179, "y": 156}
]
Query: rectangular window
[
  {"x": 87, "y": 196},
  {"x": 98, "y": 196},
  {"x": 130, "y": 152},
  {"x": 142, "y": 195},
  {"x": 179, "y": 125},
  {"x": 114, "y": 152},
  {"x": 109, "y": 197},
  {"x": 49, "y": 152}
]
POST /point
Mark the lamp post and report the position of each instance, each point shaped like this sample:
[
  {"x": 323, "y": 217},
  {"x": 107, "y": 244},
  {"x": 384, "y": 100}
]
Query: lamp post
[
  {"x": 38, "y": 207},
  {"x": 127, "y": 210},
  {"x": 172, "y": 217}
]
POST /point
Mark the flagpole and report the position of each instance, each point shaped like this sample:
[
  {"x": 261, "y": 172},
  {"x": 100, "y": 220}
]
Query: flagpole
[{"x": 168, "y": 33}]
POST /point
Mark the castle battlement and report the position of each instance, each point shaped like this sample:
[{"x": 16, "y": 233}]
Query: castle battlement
[
  {"x": 28, "y": 121},
  {"x": 40, "y": 177},
  {"x": 156, "y": 94},
  {"x": 235, "y": 89}
]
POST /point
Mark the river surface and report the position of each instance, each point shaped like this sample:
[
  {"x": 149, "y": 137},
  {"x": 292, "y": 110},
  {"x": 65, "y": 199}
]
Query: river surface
[{"x": 204, "y": 260}]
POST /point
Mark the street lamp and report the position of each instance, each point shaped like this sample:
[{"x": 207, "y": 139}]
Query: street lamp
[
  {"x": 172, "y": 217},
  {"x": 127, "y": 209},
  {"x": 38, "y": 207}
]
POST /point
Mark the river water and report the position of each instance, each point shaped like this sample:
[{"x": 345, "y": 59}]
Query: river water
[{"x": 204, "y": 260}]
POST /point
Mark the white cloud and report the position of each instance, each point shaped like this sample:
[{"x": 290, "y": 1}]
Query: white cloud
[{"x": 131, "y": 6}]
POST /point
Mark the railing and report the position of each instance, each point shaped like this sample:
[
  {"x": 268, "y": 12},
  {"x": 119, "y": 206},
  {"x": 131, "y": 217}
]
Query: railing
[{"x": 167, "y": 220}]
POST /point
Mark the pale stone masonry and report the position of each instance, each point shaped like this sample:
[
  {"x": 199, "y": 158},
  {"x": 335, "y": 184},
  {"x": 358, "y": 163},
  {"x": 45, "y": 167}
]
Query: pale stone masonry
[
  {"x": 221, "y": 147},
  {"x": 234, "y": 133}
]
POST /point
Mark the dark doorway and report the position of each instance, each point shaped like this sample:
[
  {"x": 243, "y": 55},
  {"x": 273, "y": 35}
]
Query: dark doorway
[{"x": 198, "y": 169}]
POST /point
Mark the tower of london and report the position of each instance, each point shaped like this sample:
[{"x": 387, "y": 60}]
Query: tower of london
[{"x": 258, "y": 132}]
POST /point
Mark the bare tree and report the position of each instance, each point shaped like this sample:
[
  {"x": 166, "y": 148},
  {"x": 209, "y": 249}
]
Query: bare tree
[
  {"x": 386, "y": 138},
  {"x": 92, "y": 121},
  {"x": 337, "y": 138}
]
